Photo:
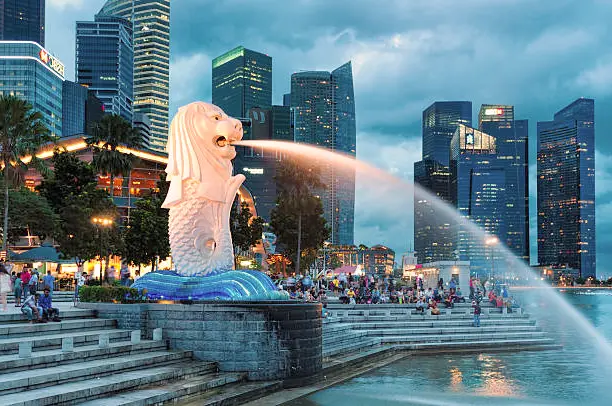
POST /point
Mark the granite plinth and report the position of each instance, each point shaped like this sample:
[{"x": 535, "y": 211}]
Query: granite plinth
[{"x": 268, "y": 340}]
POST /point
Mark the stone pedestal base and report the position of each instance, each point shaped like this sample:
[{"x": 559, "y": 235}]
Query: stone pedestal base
[{"x": 269, "y": 340}]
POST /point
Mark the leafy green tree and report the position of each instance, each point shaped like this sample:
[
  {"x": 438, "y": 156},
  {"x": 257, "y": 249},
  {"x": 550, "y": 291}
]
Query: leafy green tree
[
  {"x": 146, "y": 235},
  {"x": 107, "y": 135},
  {"x": 30, "y": 213},
  {"x": 70, "y": 175},
  {"x": 334, "y": 262},
  {"x": 246, "y": 231},
  {"x": 22, "y": 133},
  {"x": 297, "y": 220},
  {"x": 78, "y": 236}
]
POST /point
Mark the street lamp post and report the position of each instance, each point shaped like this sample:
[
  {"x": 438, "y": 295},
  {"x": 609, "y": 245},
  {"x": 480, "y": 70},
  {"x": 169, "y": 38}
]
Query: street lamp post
[
  {"x": 100, "y": 222},
  {"x": 492, "y": 242}
]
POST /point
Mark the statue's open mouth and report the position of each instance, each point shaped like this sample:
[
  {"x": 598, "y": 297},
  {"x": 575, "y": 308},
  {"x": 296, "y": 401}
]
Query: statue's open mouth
[{"x": 222, "y": 142}]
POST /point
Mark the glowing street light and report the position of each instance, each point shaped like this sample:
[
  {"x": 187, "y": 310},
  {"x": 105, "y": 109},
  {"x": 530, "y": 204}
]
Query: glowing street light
[
  {"x": 492, "y": 242},
  {"x": 100, "y": 222}
]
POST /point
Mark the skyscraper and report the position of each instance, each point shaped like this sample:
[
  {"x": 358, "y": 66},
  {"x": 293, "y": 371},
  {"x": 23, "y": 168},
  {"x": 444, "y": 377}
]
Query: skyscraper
[
  {"x": 478, "y": 188},
  {"x": 22, "y": 20},
  {"x": 258, "y": 165},
  {"x": 151, "y": 39},
  {"x": 566, "y": 188},
  {"x": 432, "y": 238},
  {"x": 512, "y": 156},
  {"x": 31, "y": 73},
  {"x": 104, "y": 62},
  {"x": 440, "y": 120},
  {"x": 80, "y": 109},
  {"x": 323, "y": 105},
  {"x": 241, "y": 80}
]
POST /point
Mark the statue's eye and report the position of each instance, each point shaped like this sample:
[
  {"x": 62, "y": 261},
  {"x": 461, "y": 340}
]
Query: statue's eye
[{"x": 217, "y": 118}]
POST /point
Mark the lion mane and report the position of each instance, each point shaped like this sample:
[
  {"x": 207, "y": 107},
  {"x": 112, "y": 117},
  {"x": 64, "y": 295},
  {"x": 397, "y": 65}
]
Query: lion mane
[{"x": 192, "y": 155}]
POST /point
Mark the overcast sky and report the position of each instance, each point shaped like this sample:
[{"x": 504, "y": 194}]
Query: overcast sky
[{"x": 536, "y": 55}]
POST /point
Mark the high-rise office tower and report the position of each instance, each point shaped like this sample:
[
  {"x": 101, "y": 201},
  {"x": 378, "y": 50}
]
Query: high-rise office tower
[
  {"x": 80, "y": 109},
  {"x": 258, "y": 165},
  {"x": 31, "y": 73},
  {"x": 478, "y": 188},
  {"x": 440, "y": 120},
  {"x": 323, "y": 105},
  {"x": 432, "y": 238},
  {"x": 22, "y": 20},
  {"x": 104, "y": 62},
  {"x": 241, "y": 80},
  {"x": 512, "y": 155},
  {"x": 151, "y": 38},
  {"x": 566, "y": 188}
]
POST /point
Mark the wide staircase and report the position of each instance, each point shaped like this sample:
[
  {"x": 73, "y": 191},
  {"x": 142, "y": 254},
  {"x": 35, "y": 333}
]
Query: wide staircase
[
  {"x": 86, "y": 360},
  {"x": 358, "y": 331}
]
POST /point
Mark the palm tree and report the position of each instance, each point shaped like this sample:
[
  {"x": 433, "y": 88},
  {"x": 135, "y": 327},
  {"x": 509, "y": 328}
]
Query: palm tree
[
  {"x": 22, "y": 133},
  {"x": 296, "y": 183},
  {"x": 106, "y": 136}
]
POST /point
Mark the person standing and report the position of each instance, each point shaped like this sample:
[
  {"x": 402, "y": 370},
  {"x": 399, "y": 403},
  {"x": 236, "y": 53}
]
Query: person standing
[
  {"x": 111, "y": 275},
  {"x": 124, "y": 274},
  {"x": 25, "y": 280},
  {"x": 78, "y": 283},
  {"x": 33, "y": 282},
  {"x": 477, "y": 311},
  {"x": 48, "y": 282},
  {"x": 5, "y": 286},
  {"x": 17, "y": 289}
]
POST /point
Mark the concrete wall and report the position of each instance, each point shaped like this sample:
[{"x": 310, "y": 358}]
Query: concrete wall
[{"x": 269, "y": 340}]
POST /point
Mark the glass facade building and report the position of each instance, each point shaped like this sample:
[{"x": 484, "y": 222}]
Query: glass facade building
[
  {"x": 151, "y": 39},
  {"x": 22, "y": 20},
  {"x": 257, "y": 165},
  {"x": 566, "y": 188},
  {"x": 440, "y": 120},
  {"x": 30, "y": 72},
  {"x": 80, "y": 109},
  {"x": 478, "y": 189},
  {"x": 104, "y": 62},
  {"x": 323, "y": 105},
  {"x": 513, "y": 156},
  {"x": 432, "y": 239},
  {"x": 241, "y": 80}
]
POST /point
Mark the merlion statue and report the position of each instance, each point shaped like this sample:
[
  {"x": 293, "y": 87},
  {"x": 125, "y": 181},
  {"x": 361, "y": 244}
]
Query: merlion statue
[
  {"x": 202, "y": 188},
  {"x": 202, "y": 191}
]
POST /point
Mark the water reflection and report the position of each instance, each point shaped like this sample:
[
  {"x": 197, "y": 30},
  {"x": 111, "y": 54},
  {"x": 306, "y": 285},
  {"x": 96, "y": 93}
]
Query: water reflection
[{"x": 568, "y": 376}]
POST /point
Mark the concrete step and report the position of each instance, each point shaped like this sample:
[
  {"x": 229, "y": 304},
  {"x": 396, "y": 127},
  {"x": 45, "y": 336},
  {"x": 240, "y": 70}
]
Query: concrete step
[
  {"x": 61, "y": 296},
  {"x": 478, "y": 345},
  {"x": 16, "y": 329},
  {"x": 48, "y": 341},
  {"x": 51, "y": 358},
  {"x": 343, "y": 348},
  {"x": 443, "y": 338},
  {"x": 349, "y": 319},
  {"x": 329, "y": 339},
  {"x": 72, "y": 313},
  {"x": 377, "y": 324},
  {"x": 452, "y": 330},
  {"x": 230, "y": 387},
  {"x": 89, "y": 389},
  {"x": 37, "y": 378}
]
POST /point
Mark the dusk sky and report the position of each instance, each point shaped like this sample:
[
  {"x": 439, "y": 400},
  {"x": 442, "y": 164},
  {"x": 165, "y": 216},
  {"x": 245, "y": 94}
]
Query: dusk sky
[{"x": 537, "y": 56}]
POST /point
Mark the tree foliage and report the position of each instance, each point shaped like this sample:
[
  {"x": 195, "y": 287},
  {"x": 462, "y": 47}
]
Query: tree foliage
[
  {"x": 73, "y": 194},
  {"x": 30, "y": 213},
  {"x": 146, "y": 235},
  {"x": 297, "y": 219},
  {"x": 106, "y": 136},
  {"x": 22, "y": 133},
  {"x": 246, "y": 231}
]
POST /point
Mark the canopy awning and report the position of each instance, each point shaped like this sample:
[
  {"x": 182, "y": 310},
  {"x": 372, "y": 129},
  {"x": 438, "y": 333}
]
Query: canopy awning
[{"x": 45, "y": 253}]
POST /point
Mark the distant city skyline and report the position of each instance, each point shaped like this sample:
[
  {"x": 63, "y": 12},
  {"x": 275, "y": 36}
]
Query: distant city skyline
[{"x": 405, "y": 56}]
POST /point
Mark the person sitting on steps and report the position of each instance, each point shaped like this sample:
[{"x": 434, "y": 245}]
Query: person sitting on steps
[{"x": 49, "y": 312}]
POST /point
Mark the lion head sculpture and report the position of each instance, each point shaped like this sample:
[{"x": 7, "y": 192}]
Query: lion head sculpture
[{"x": 199, "y": 149}]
